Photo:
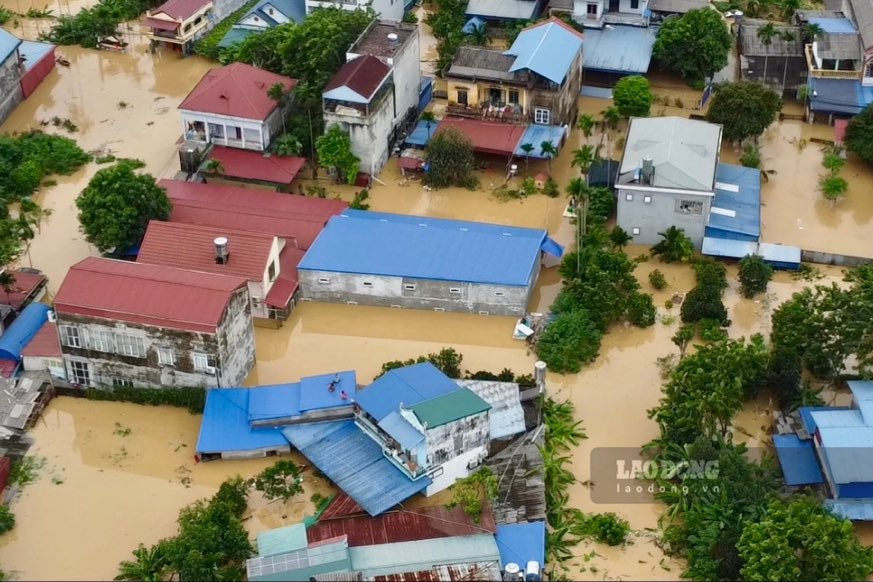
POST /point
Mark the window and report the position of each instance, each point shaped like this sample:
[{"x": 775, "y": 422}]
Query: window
[
  {"x": 271, "y": 271},
  {"x": 484, "y": 313},
  {"x": 592, "y": 10},
  {"x": 542, "y": 116},
  {"x": 129, "y": 345},
  {"x": 256, "y": 303},
  {"x": 323, "y": 280},
  {"x": 122, "y": 382},
  {"x": 368, "y": 283},
  {"x": 499, "y": 293},
  {"x": 409, "y": 286},
  {"x": 455, "y": 290},
  {"x": 635, "y": 230},
  {"x": 166, "y": 357},
  {"x": 513, "y": 97},
  {"x": 647, "y": 199},
  {"x": 101, "y": 341},
  {"x": 203, "y": 362},
  {"x": 440, "y": 309},
  {"x": 81, "y": 373},
  {"x": 629, "y": 197},
  {"x": 462, "y": 96},
  {"x": 868, "y": 70},
  {"x": 689, "y": 207},
  {"x": 70, "y": 336},
  {"x": 635, "y": 4},
  {"x": 216, "y": 130}
]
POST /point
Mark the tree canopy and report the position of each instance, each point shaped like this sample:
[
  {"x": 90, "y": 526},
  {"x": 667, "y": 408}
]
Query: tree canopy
[
  {"x": 450, "y": 156},
  {"x": 633, "y": 96},
  {"x": 745, "y": 109},
  {"x": 335, "y": 151},
  {"x": 695, "y": 44},
  {"x": 754, "y": 275},
  {"x": 859, "y": 134},
  {"x": 117, "y": 205},
  {"x": 283, "y": 480},
  {"x": 674, "y": 246}
]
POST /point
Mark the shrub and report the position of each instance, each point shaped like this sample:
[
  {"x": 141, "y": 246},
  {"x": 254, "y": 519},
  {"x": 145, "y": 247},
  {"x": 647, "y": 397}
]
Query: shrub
[
  {"x": 711, "y": 274},
  {"x": 281, "y": 481},
  {"x": 751, "y": 157},
  {"x": 633, "y": 96},
  {"x": 7, "y": 519},
  {"x": 703, "y": 303},
  {"x": 551, "y": 188},
  {"x": 570, "y": 341},
  {"x": 754, "y": 275},
  {"x": 607, "y": 528},
  {"x": 710, "y": 330},
  {"x": 657, "y": 279},
  {"x": 641, "y": 310},
  {"x": 450, "y": 155},
  {"x": 194, "y": 399}
]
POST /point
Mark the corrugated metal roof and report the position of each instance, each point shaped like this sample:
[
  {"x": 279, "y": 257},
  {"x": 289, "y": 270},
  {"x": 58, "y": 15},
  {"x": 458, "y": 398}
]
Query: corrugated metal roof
[
  {"x": 486, "y": 571},
  {"x": 282, "y": 540},
  {"x": 522, "y": 495},
  {"x": 745, "y": 203},
  {"x": 251, "y": 165},
  {"x": 536, "y": 134},
  {"x": 33, "y": 52},
  {"x": 292, "y": 9},
  {"x": 401, "y": 431},
  {"x": 181, "y": 9},
  {"x": 8, "y": 44},
  {"x": 487, "y": 137},
  {"x": 396, "y": 245},
  {"x": 342, "y": 506},
  {"x": 236, "y": 35},
  {"x": 288, "y": 282},
  {"x": 225, "y": 425},
  {"x": 45, "y": 343},
  {"x": 408, "y": 385},
  {"x": 677, "y": 6},
  {"x": 146, "y": 294},
  {"x": 357, "y": 80},
  {"x": 806, "y": 416},
  {"x": 620, "y": 49},
  {"x": 483, "y": 63},
  {"x": 839, "y": 46},
  {"x": 547, "y": 48},
  {"x": 450, "y": 407},
  {"x": 729, "y": 248},
  {"x": 355, "y": 463},
  {"x": 421, "y": 135},
  {"x": 685, "y": 151},
  {"x": 522, "y": 543},
  {"x": 302, "y": 564},
  {"x": 862, "y": 10},
  {"x": 425, "y": 523},
  {"x": 834, "y": 25},
  {"x": 781, "y": 255},
  {"x": 798, "y": 460},
  {"x": 503, "y": 9},
  {"x": 22, "y": 330},
  {"x": 191, "y": 246},
  {"x": 237, "y": 90},
  {"x": 325, "y": 390},
  {"x": 25, "y": 285},
  {"x": 779, "y": 47},
  {"x": 506, "y": 416},
  {"x": 396, "y": 558},
  {"x": 297, "y": 398},
  {"x": 836, "y": 418},
  {"x": 839, "y": 95},
  {"x": 862, "y": 395},
  {"x": 849, "y": 451},
  {"x": 853, "y": 509}
]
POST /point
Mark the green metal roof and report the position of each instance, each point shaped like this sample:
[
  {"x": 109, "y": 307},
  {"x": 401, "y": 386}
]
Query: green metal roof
[
  {"x": 281, "y": 540},
  {"x": 449, "y": 407},
  {"x": 416, "y": 556},
  {"x": 235, "y": 36}
]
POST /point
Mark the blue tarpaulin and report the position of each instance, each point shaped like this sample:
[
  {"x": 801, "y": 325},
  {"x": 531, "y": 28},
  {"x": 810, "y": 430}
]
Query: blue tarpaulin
[
  {"x": 22, "y": 330},
  {"x": 521, "y": 543},
  {"x": 798, "y": 460},
  {"x": 421, "y": 134},
  {"x": 473, "y": 24},
  {"x": 620, "y": 49},
  {"x": 536, "y": 135}
]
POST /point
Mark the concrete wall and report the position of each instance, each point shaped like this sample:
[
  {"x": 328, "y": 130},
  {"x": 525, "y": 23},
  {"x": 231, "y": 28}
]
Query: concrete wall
[
  {"x": 369, "y": 135},
  {"x": 236, "y": 341},
  {"x": 54, "y": 366},
  {"x": 10, "y": 85},
  {"x": 562, "y": 103},
  {"x": 453, "y": 446},
  {"x": 407, "y": 73},
  {"x": 660, "y": 214},
  {"x": 385, "y": 9},
  {"x": 413, "y": 293},
  {"x": 221, "y": 9},
  {"x": 455, "y": 469},
  {"x": 823, "y": 258}
]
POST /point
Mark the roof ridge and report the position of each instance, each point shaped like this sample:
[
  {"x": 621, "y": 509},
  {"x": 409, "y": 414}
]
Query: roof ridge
[
  {"x": 143, "y": 266},
  {"x": 205, "y": 227}
]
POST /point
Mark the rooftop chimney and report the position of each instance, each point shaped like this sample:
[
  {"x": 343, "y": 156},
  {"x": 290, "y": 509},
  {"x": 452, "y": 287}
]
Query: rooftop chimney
[
  {"x": 221, "y": 252},
  {"x": 648, "y": 172}
]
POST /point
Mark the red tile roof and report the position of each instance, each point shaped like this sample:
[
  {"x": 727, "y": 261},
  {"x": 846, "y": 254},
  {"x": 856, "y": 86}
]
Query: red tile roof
[
  {"x": 249, "y": 165},
  {"x": 45, "y": 343},
  {"x": 288, "y": 282},
  {"x": 362, "y": 75},
  {"x": 190, "y": 246},
  {"x": 181, "y": 9},
  {"x": 403, "y": 526},
  {"x": 26, "y": 285},
  {"x": 146, "y": 294},
  {"x": 237, "y": 90},
  {"x": 487, "y": 137},
  {"x": 161, "y": 24}
]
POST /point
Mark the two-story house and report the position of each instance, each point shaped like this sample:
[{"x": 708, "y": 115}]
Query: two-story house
[
  {"x": 538, "y": 79},
  {"x": 264, "y": 15},
  {"x": 179, "y": 23},
  {"x": 131, "y": 324},
  {"x": 223, "y": 251},
  {"x": 500, "y": 11},
  {"x": 778, "y": 61},
  {"x": 597, "y": 13},
  {"x": 385, "y": 9},
  {"x": 360, "y": 99},
  {"x": 230, "y": 107}
]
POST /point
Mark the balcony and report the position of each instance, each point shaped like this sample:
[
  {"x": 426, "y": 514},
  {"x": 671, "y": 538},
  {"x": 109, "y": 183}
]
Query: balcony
[
  {"x": 398, "y": 458},
  {"x": 827, "y": 73},
  {"x": 625, "y": 18},
  {"x": 488, "y": 112}
]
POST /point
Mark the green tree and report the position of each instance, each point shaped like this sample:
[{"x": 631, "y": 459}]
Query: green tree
[
  {"x": 696, "y": 44},
  {"x": 683, "y": 336},
  {"x": 288, "y": 145},
  {"x": 335, "y": 151},
  {"x": 744, "y": 109},
  {"x": 586, "y": 124},
  {"x": 447, "y": 360},
  {"x": 641, "y": 310},
  {"x": 859, "y": 135},
  {"x": 633, "y": 96},
  {"x": 610, "y": 117},
  {"x": 568, "y": 342},
  {"x": 619, "y": 237},
  {"x": 766, "y": 34},
  {"x": 117, "y": 205},
  {"x": 583, "y": 158},
  {"x": 751, "y": 157},
  {"x": 150, "y": 564},
  {"x": 283, "y": 480},
  {"x": 674, "y": 246},
  {"x": 548, "y": 150},
  {"x": 450, "y": 157},
  {"x": 527, "y": 148},
  {"x": 7, "y": 519},
  {"x": 471, "y": 491},
  {"x": 754, "y": 275},
  {"x": 429, "y": 119},
  {"x": 702, "y": 303},
  {"x": 278, "y": 94},
  {"x": 478, "y": 36},
  {"x": 833, "y": 162},
  {"x": 788, "y": 543},
  {"x": 833, "y": 187}
]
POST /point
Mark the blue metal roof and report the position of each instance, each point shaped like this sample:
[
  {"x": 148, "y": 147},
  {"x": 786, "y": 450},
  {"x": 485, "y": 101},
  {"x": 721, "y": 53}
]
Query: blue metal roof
[
  {"x": 420, "y": 135},
  {"x": 473, "y": 24},
  {"x": 537, "y": 134},
  {"x": 862, "y": 395},
  {"x": 225, "y": 426},
  {"x": 8, "y": 44},
  {"x": 807, "y": 419},
  {"x": 839, "y": 95},
  {"x": 377, "y": 243},
  {"x": 419, "y": 556},
  {"x": 835, "y": 25},
  {"x": 721, "y": 247},
  {"x": 781, "y": 256},
  {"x": 355, "y": 463},
  {"x": 745, "y": 204},
  {"x": 621, "y": 49},
  {"x": 294, "y": 10},
  {"x": 853, "y": 509},
  {"x": 798, "y": 460},
  {"x": 236, "y": 35},
  {"x": 522, "y": 543},
  {"x": 279, "y": 401},
  {"x": 33, "y": 52},
  {"x": 832, "y": 418},
  {"x": 408, "y": 385},
  {"x": 315, "y": 391},
  {"x": 848, "y": 450},
  {"x": 401, "y": 431},
  {"x": 548, "y": 49},
  {"x": 26, "y": 325}
]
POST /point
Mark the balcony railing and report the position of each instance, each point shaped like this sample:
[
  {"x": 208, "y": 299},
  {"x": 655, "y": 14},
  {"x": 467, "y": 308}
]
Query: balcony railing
[
  {"x": 399, "y": 459},
  {"x": 489, "y": 113},
  {"x": 827, "y": 73}
]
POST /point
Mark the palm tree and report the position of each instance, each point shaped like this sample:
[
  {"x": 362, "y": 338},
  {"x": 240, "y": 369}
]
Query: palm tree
[
  {"x": 619, "y": 237},
  {"x": 478, "y": 36},
  {"x": 578, "y": 191},
  {"x": 788, "y": 37},
  {"x": 428, "y": 118},
  {"x": 277, "y": 93},
  {"x": 610, "y": 117},
  {"x": 803, "y": 93},
  {"x": 766, "y": 34},
  {"x": 549, "y": 151},
  {"x": 586, "y": 125},
  {"x": 809, "y": 32},
  {"x": 213, "y": 167},
  {"x": 674, "y": 246},
  {"x": 150, "y": 565},
  {"x": 584, "y": 157},
  {"x": 527, "y": 148},
  {"x": 789, "y": 7}
]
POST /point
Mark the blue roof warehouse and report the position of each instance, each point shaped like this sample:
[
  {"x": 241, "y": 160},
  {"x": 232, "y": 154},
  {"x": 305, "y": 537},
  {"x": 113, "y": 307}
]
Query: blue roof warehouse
[{"x": 425, "y": 263}]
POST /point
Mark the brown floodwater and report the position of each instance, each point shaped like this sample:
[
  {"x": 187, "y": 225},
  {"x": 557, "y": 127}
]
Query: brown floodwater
[{"x": 57, "y": 7}]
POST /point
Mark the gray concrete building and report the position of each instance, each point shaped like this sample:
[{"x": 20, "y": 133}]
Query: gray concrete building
[{"x": 667, "y": 177}]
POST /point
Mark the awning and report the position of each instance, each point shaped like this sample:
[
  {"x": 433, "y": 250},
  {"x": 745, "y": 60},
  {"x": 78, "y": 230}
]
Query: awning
[
  {"x": 537, "y": 134},
  {"x": 281, "y": 293},
  {"x": 488, "y": 137},
  {"x": 409, "y": 163},
  {"x": 252, "y": 165},
  {"x": 553, "y": 248},
  {"x": 161, "y": 24}
]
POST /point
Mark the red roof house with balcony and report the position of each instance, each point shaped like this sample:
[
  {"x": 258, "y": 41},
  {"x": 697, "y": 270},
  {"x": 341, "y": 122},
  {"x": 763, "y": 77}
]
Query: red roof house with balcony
[{"x": 178, "y": 23}]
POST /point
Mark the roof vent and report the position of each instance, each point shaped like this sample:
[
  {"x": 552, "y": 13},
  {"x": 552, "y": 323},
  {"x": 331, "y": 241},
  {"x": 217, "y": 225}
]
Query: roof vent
[
  {"x": 221, "y": 252},
  {"x": 648, "y": 172}
]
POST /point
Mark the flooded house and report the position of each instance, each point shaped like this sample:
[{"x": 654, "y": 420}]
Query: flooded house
[
  {"x": 28, "y": 286},
  {"x": 19, "y": 335},
  {"x": 264, "y": 15},
  {"x": 24, "y": 65},
  {"x": 133, "y": 324},
  {"x": 43, "y": 352},
  {"x": 501, "y": 11},
  {"x": 598, "y": 13},
  {"x": 178, "y": 23},
  {"x": 387, "y": 9},
  {"x": 777, "y": 61},
  {"x": 414, "y": 262}
]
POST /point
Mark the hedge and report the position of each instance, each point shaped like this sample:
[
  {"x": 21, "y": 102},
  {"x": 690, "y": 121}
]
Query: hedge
[
  {"x": 208, "y": 45},
  {"x": 194, "y": 399}
]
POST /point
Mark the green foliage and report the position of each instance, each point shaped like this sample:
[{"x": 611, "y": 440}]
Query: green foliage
[
  {"x": 450, "y": 155},
  {"x": 702, "y": 303},
  {"x": 751, "y": 157},
  {"x": 833, "y": 187},
  {"x": 447, "y": 22},
  {"x": 683, "y": 337},
  {"x": 88, "y": 25},
  {"x": 505, "y": 375},
  {"x": 674, "y": 246},
  {"x": 657, "y": 279},
  {"x": 409, "y": 17},
  {"x": 754, "y": 275},
  {"x": 859, "y": 135},
  {"x": 607, "y": 528},
  {"x": 447, "y": 360},
  {"x": 583, "y": 158},
  {"x": 335, "y": 151},
  {"x": 150, "y": 564},
  {"x": 745, "y": 109},
  {"x": 619, "y": 237},
  {"x": 696, "y": 44},
  {"x": 528, "y": 186},
  {"x": 633, "y": 96},
  {"x": 234, "y": 493},
  {"x": 5, "y": 15},
  {"x": 283, "y": 480},
  {"x": 569, "y": 341},
  {"x": 641, "y": 310},
  {"x": 784, "y": 373},
  {"x": 833, "y": 162},
  {"x": 359, "y": 201},
  {"x": 7, "y": 519},
  {"x": 288, "y": 145},
  {"x": 194, "y": 399},
  {"x": 710, "y": 330},
  {"x": 610, "y": 117},
  {"x": 788, "y": 543},
  {"x": 551, "y": 188},
  {"x": 710, "y": 274},
  {"x": 478, "y": 36},
  {"x": 208, "y": 46},
  {"x": 470, "y": 491},
  {"x": 117, "y": 205}
]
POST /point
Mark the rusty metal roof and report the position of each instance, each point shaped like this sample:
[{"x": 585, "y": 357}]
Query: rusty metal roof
[
  {"x": 26, "y": 285},
  {"x": 45, "y": 343},
  {"x": 453, "y": 573}
]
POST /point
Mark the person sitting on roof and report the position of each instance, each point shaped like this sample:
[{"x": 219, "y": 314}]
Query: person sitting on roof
[{"x": 344, "y": 395}]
